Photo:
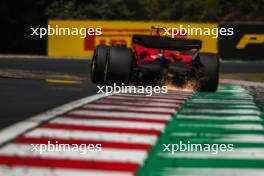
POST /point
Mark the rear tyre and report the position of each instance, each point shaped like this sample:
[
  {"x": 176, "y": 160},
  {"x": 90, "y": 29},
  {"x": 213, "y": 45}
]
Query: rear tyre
[
  {"x": 210, "y": 69},
  {"x": 98, "y": 64},
  {"x": 119, "y": 65}
]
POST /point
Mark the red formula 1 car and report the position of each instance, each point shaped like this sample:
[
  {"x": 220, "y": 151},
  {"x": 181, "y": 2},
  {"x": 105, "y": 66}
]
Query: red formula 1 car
[{"x": 155, "y": 60}]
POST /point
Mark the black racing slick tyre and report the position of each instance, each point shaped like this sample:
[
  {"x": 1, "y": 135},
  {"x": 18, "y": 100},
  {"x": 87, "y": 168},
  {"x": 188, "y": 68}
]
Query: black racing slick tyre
[
  {"x": 98, "y": 64},
  {"x": 210, "y": 69},
  {"x": 119, "y": 65}
]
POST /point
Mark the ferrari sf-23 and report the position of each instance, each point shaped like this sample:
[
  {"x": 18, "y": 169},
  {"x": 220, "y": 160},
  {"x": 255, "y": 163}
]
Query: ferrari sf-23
[{"x": 156, "y": 60}]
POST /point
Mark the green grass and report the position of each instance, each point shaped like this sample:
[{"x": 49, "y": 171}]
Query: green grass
[{"x": 255, "y": 77}]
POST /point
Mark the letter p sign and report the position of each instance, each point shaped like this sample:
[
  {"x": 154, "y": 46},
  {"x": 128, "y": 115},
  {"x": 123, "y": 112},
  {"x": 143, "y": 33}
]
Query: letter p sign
[{"x": 250, "y": 39}]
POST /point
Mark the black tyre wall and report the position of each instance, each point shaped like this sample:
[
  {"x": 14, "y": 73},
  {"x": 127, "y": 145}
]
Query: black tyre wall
[
  {"x": 98, "y": 64},
  {"x": 210, "y": 67},
  {"x": 119, "y": 65}
]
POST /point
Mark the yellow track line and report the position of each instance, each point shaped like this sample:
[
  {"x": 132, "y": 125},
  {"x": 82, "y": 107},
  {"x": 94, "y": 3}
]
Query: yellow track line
[{"x": 63, "y": 81}]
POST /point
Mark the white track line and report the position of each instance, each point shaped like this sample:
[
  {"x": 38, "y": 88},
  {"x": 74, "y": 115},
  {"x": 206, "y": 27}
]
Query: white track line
[
  {"x": 42, "y": 171},
  {"x": 153, "y": 96},
  {"x": 145, "y": 99},
  {"x": 231, "y": 91},
  {"x": 226, "y": 126},
  {"x": 207, "y": 171},
  {"x": 91, "y": 135},
  {"x": 245, "y": 138},
  {"x": 130, "y": 108},
  {"x": 19, "y": 128},
  {"x": 237, "y": 153},
  {"x": 109, "y": 123},
  {"x": 175, "y": 94},
  {"x": 229, "y": 106},
  {"x": 154, "y": 104},
  {"x": 212, "y": 117},
  {"x": 37, "y": 57},
  {"x": 244, "y": 83},
  {"x": 113, "y": 155},
  {"x": 227, "y": 138},
  {"x": 224, "y": 111},
  {"x": 121, "y": 114},
  {"x": 222, "y": 101}
]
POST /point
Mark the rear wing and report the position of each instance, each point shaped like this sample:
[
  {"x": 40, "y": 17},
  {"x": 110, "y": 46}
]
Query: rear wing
[{"x": 160, "y": 42}]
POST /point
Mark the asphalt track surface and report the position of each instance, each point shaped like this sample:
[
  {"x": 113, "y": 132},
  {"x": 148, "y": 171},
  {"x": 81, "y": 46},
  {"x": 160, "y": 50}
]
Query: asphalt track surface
[
  {"x": 242, "y": 67},
  {"x": 31, "y": 86}
]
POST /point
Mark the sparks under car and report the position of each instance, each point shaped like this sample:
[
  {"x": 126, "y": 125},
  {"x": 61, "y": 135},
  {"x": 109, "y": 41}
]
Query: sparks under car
[{"x": 155, "y": 60}]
